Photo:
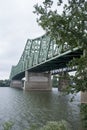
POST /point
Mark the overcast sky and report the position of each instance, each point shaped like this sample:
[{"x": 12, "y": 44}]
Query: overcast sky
[{"x": 17, "y": 24}]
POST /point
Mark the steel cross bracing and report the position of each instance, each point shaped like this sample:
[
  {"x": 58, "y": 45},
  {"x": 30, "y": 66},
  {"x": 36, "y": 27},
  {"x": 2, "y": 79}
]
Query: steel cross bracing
[{"x": 37, "y": 52}]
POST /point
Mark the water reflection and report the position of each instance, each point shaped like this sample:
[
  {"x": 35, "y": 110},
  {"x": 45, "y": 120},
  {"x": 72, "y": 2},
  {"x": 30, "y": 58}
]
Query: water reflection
[{"x": 25, "y": 108}]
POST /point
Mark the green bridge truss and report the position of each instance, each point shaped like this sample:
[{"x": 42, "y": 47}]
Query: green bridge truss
[{"x": 42, "y": 54}]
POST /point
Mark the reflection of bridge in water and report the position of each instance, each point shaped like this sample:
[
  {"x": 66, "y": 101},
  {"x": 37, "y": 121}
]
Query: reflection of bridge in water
[{"x": 41, "y": 56}]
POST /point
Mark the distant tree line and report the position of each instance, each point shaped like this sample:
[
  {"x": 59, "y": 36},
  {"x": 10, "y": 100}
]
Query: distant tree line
[{"x": 4, "y": 83}]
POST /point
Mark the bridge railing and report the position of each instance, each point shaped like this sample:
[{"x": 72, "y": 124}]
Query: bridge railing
[{"x": 66, "y": 69}]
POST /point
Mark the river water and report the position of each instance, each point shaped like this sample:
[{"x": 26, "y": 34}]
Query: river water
[{"x": 26, "y": 108}]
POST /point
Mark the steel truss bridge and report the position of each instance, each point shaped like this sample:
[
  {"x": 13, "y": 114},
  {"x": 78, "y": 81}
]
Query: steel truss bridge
[{"x": 43, "y": 54}]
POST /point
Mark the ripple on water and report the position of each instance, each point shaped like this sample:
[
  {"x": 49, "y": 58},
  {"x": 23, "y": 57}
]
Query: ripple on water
[{"x": 25, "y": 108}]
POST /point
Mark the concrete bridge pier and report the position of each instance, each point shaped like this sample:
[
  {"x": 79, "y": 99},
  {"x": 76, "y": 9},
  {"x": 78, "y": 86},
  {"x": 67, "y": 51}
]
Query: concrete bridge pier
[
  {"x": 16, "y": 83},
  {"x": 84, "y": 97},
  {"x": 63, "y": 81},
  {"x": 37, "y": 81}
]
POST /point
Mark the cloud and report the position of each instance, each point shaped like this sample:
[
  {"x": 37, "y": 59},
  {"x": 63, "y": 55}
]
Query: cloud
[{"x": 17, "y": 24}]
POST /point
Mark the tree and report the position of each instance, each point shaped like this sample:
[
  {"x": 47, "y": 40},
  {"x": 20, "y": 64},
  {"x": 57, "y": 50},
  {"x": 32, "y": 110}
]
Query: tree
[
  {"x": 68, "y": 27},
  {"x": 4, "y": 83},
  {"x": 55, "y": 81}
]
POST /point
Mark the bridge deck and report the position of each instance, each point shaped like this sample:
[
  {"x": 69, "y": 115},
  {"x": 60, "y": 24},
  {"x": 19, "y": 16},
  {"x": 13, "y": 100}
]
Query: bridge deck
[{"x": 53, "y": 63}]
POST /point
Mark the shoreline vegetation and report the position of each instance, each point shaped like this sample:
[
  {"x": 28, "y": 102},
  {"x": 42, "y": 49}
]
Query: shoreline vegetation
[
  {"x": 51, "y": 125},
  {"x": 5, "y": 83}
]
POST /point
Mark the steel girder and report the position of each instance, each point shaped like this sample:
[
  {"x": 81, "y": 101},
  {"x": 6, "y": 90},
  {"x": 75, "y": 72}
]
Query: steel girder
[{"x": 37, "y": 51}]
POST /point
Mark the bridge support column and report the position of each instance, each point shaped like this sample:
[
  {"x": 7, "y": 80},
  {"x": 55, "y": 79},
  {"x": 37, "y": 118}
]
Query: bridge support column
[
  {"x": 16, "y": 84},
  {"x": 37, "y": 81},
  {"x": 84, "y": 97},
  {"x": 63, "y": 81}
]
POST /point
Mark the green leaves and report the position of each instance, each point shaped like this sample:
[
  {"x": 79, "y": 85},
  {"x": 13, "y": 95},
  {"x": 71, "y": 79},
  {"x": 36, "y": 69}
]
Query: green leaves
[
  {"x": 8, "y": 125},
  {"x": 84, "y": 114},
  {"x": 69, "y": 27},
  {"x": 53, "y": 125}
]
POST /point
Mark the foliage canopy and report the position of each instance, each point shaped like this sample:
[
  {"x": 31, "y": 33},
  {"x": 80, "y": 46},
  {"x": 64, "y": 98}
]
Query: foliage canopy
[{"x": 68, "y": 27}]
